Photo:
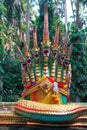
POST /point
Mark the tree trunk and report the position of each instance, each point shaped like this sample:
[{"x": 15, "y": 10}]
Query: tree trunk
[
  {"x": 66, "y": 16},
  {"x": 28, "y": 23},
  {"x": 77, "y": 13},
  {"x": 72, "y": 9}
]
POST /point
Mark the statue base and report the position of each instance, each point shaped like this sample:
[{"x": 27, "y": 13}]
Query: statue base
[{"x": 9, "y": 117}]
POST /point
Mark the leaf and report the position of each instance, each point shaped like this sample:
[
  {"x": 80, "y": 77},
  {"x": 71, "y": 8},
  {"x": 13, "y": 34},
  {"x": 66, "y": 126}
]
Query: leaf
[{"x": 1, "y": 70}]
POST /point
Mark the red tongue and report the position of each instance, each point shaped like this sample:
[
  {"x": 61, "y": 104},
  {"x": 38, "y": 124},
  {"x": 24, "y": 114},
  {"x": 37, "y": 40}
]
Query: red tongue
[
  {"x": 29, "y": 61},
  {"x": 46, "y": 52}
]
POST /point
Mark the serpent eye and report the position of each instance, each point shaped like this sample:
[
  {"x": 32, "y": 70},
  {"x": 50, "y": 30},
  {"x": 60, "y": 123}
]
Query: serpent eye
[
  {"x": 46, "y": 52},
  {"x": 29, "y": 61}
]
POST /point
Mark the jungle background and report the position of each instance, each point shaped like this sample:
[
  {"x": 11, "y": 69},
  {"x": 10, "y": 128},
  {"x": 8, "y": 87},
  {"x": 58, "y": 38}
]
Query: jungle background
[{"x": 20, "y": 15}]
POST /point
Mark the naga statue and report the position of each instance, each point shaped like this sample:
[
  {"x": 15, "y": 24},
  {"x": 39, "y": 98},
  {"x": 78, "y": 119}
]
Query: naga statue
[{"x": 46, "y": 94}]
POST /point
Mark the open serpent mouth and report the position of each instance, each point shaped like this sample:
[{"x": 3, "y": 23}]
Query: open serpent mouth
[
  {"x": 46, "y": 52},
  {"x": 24, "y": 64},
  {"x": 54, "y": 54},
  {"x": 29, "y": 60},
  {"x": 36, "y": 56}
]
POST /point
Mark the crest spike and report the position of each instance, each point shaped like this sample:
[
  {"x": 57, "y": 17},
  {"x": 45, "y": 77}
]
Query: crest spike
[
  {"x": 56, "y": 39},
  {"x": 35, "y": 38},
  {"x": 27, "y": 52},
  {"x": 69, "y": 52},
  {"x": 46, "y": 31},
  {"x": 22, "y": 59},
  {"x": 65, "y": 43}
]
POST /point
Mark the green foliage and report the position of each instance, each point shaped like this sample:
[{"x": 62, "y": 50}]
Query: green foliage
[
  {"x": 14, "y": 10},
  {"x": 9, "y": 5},
  {"x": 79, "y": 64},
  {"x": 83, "y": 2},
  {"x": 1, "y": 70},
  {"x": 12, "y": 79},
  {"x": 3, "y": 10},
  {"x": 77, "y": 35},
  {"x": 2, "y": 22}
]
